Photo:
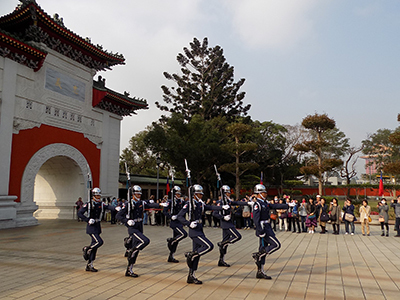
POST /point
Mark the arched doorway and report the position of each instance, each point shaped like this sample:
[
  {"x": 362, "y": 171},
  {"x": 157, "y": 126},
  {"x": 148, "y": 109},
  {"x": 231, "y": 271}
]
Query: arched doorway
[
  {"x": 58, "y": 184},
  {"x": 53, "y": 180}
]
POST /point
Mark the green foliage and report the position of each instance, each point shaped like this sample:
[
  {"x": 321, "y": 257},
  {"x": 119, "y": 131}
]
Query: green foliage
[{"x": 206, "y": 86}]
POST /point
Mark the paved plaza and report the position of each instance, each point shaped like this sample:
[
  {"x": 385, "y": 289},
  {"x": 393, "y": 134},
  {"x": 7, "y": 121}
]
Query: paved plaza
[{"x": 45, "y": 262}]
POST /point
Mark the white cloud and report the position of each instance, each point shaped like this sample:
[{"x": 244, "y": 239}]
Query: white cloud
[{"x": 273, "y": 24}]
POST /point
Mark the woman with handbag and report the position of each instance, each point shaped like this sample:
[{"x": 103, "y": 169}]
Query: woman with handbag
[
  {"x": 384, "y": 216},
  {"x": 311, "y": 221},
  {"x": 348, "y": 216},
  {"x": 303, "y": 214},
  {"x": 365, "y": 212},
  {"x": 323, "y": 216},
  {"x": 334, "y": 209},
  {"x": 282, "y": 214}
]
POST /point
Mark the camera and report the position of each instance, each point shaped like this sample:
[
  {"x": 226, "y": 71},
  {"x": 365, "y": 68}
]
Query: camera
[{"x": 395, "y": 201}]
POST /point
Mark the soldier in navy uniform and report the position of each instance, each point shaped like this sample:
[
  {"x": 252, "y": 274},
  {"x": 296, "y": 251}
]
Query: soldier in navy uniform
[
  {"x": 230, "y": 234},
  {"x": 201, "y": 245},
  {"x": 95, "y": 209},
  {"x": 131, "y": 215},
  {"x": 268, "y": 242},
  {"x": 171, "y": 210}
]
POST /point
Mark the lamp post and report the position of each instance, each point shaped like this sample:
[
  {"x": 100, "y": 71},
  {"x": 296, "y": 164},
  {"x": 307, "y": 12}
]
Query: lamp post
[{"x": 158, "y": 162}]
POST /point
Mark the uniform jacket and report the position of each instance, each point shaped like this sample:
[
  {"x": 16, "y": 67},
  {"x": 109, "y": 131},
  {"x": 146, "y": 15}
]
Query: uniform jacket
[
  {"x": 95, "y": 211},
  {"x": 261, "y": 212},
  {"x": 170, "y": 211},
  {"x": 220, "y": 214},
  {"x": 134, "y": 210},
  {"x": 199, "y": 209}
]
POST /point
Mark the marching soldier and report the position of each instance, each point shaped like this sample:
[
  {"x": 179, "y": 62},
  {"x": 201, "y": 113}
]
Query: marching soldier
[
  {"x": 131, "y": 215},
  {"x": 95, "y": 209},
  {"x": 171, "y": 210},
  {"x": 230, "y": 234},
  {"x": 268, "y": 242},
  {"x": 201, "y": 245}
]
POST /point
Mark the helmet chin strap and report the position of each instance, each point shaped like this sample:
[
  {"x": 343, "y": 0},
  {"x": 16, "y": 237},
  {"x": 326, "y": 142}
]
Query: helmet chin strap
[
  {"x": 197, "y": 198},
  {"x": 261, "y": 196},
  {"x": 135, "y": 198}
]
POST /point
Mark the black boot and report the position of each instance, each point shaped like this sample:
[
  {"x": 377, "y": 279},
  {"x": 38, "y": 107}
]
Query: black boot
[
  {"x": 189, "y": 257},
  {"x": 85, "y": 252},
  {"x": 90, "y": 268},
  {"x": 222, "y": 263},
  {"x": 261, "y": 274},
  {"x": 171, "y": 259},
  {"x": 130, "y": 273},
  {"x": 192, "y": 279},
  {"x": 170, "y": 240}
]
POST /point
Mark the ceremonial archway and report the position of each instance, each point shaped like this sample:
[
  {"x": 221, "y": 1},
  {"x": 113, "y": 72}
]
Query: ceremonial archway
[{"x": 53, "y": 180}]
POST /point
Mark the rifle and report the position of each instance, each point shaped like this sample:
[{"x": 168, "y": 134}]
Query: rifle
[
  {"x": 89, "y": 187},
  {"x": 219, "y": 185},
  {"x": 173, "y": 201},
  {"x": 128, "y": 183},
  {"x": 192, "y": 205}
]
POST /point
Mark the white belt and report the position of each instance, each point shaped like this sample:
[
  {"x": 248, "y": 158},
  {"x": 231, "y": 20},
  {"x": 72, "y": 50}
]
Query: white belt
[{"x": 138, "y": 220}]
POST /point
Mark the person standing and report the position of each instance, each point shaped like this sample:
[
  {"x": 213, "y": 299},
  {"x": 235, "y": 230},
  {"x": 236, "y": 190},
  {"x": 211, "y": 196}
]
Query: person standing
[
  {"x": 335, "y": 210},
  {"x": 95, "y": 209},
  {"x": 365, "y": 212},
  {"x": 396, "y": 205},
  {"x": 78, "y": 206},
  {"x": 384, "y": 216},
  {"x": 230, "y": 235},
  {"x": 200, "y": 244},
  {"x": 171, "y": 210},
  {"x": 267, "y": 239},
  {"x": 311, "y": 221},
  {"x": 323, "y": 216},
  {"x": 114, "y": 203},
  {"x": 131, "y": 215},
  {"x": 303, "y": 214},
  {"x": 348, "y": 216}
]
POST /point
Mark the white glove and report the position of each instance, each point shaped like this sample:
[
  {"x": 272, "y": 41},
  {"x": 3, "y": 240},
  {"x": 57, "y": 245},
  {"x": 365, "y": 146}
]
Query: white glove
[
  {"x": 261, "y": 235},
  {"x": 193, "y": 225},
  {"x": 227, "y": 217},
  {"x": 164, "y": 204},
  {"x": 151, "y": 201},
  {"x": 130, "y": 222},
  {"x": 250, "y": 203},
  {"x": 91, "y": 221},
  {"x": 226, "y": 207},
  {"x": 174, "y": 217},
  {"x": 118, "y": 208}
]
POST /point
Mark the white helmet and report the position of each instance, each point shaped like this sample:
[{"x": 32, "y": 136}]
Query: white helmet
[
  {"x": 260, "y": 188},
  {"x": 226, "y": 188},
  {"x": 96, "y": 191},
  {"x": 136, "y": 189},
  {"x": 198, "y": 189},
  {"x": 177, "y": 190}
]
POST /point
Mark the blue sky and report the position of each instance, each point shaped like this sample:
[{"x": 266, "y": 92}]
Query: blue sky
[{"x": 298, "y": 56}]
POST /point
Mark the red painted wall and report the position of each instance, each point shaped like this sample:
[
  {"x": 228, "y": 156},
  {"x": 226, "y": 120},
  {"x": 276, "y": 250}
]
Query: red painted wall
[{"x": 27, "y": 142}]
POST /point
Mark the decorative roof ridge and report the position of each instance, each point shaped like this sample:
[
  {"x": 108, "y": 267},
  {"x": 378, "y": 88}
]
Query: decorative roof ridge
[
  {"x": 100, "y": 84},
  {"x": 57, "y": 23},
  {"x": 22, "y": 40}
]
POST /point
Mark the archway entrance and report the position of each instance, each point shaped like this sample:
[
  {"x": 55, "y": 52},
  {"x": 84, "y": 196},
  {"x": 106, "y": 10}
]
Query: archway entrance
[
  {"x": 52, "y": 181},
  {"x": 58, "y": 184}
]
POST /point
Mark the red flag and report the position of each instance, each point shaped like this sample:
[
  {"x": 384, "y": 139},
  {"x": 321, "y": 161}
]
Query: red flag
[
  {"x": 381, "y": 186},
  {"x": 168, "y": 188}
]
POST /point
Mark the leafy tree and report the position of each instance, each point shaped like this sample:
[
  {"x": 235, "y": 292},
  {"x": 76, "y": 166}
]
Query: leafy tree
[
  {"x": 326, "y": 146},
  {"x": 198, "y": 141},
  {"x": 237, "y": 146},
  {"x": 382, "y": 150},
  {"x": 138, "y": 157},
  {"x": 206, "y": 86}
]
